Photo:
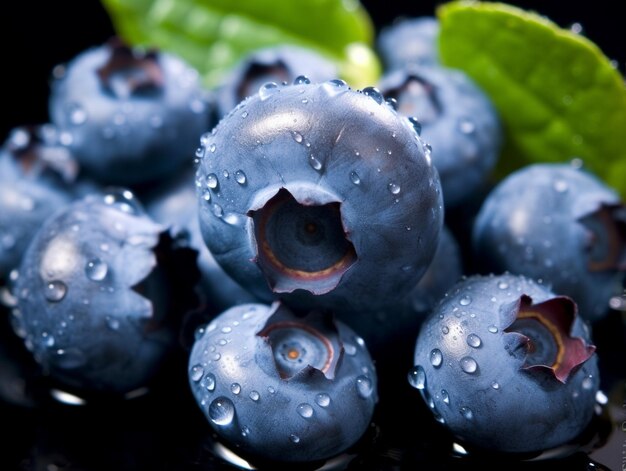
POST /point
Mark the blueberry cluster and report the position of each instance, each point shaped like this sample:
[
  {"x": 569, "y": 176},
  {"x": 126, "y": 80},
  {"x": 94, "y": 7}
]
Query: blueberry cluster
[{"x": 294, "y": 244}]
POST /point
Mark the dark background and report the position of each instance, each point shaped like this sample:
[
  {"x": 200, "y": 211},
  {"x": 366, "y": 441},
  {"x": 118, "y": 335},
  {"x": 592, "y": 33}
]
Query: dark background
[{"x": 36, "y": 36}]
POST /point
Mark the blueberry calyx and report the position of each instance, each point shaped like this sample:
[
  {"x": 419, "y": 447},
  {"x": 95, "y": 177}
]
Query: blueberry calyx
[
  {"x": 606, "y": 243},
  {"x": 257, "y": 71},
  {"x": 128, "y": 71},
  {"x": 302, "y": 347},
  {"x": 416, "y": 96},
  {"x": 543, "y": 330},
  {"x": 301, "y": 240}
]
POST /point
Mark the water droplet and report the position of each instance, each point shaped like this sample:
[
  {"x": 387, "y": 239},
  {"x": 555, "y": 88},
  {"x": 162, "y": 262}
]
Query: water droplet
[
  {"x": 467, "y": 412},
  {"x": 466, "y": 126},
  {"x": 294, "y": 438},
  {"x": 301, "y": 80},
  {"x": 211, "y": 181},
  {"x": 364, "y": 386},
  {"x": 112, "y": 322},
  {"x": 445, "y": 330},
  {"x": 200, "y": 152},
  {"x": 297, "y": 137},
  {"x": 209, "y": 382},
  {"x": 271, "y": 390},
  {"x": 196, "y": 373},
  {"x": 417, "y": 377},
  {"x": 503, "y": 285},
  {"x": 465, "y": 300},
  {"x": 222, "y": 411},
  {"x": 206, "y": 195},
  {"x": 436, "y": 358},
  {"x": 576, "y": 28},
  {"x": 235, "y": 388},
  {"x": 227, "y": 329},
  {"x": 244, "y": 115},
  {"x": 493, "y": 329},
  {"x": 495, "y": 385},
  {"x": 240, "y": 177},
  {"x": 322, "y": 400},
  {"x": 474, "y": 341},
  {"x": 354, "y": 178},
  {"x": 96, "y": 269},
  {"x": 55, "y": 291},
  {"x": 48, "y": 340},
  {"x": 217, "y": 210},
  {"x": 468, "y": 364},
  {"x": 445, "y": 396},
  {"x": 587, "y": 383},
  {"x": 416, "y": 125},
  {"x": 374, "y": 94},
  {"x": 560, "y": 186},
  {"x": 245, "y": 431},
  {"x": 305, "y": 410},
  {"x": 255, "y": 396},
  {"x": 394, "y": 188},
  {"x": 212, "y": 148},
  {"x": 267, "y": 90},
  {"x": 315, "y": 164},
  {"x": 349, "y": 349},
  {"x": 76, "y": 114}
]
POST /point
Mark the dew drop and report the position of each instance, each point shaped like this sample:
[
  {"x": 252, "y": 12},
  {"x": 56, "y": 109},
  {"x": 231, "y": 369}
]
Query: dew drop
[
  {"x": 493, "y": 329},
  {"x": 445, "y": 330},
  {"x": 217, "y": 211},
  {"x": 206, "y": 195},
  {"x": 374, "y": 94},
  {"x": 416, "y": 125},
  {"x": 240, "y": 177},
  {"x": 305, "y": 410},
  {"x": 495, "y": 385},
  {"x": 465, "y": 300},
  {"x": 417, "y": 377},
  {"x": 196, "y": 373},
  {"x": 467, "y": 412},
  {"x": 55, "y": 291},
  {"x": 271, "y": 390},
  {"x": 445, "y": 396},
  {"x": 297, "y": 137},
  {"x": 112, "y": 322},
  {"x": 301, "y": 80},
  {"x": 294, "y": 439},
  {"x": 474, "y": 341},
  {"x": 503, "y": 285},
  {"x": 211, "y": 181},
  {"x": 436, "y": 358},
  {"x": 212, "y": 148},
  {"x": 314, "y": 163},
  {"x": 226, "y": 329},
  {"x": 587, "y": 383},
  {"x": 222, "y": 411},
  {"x": 200, "y": 152},
  {"x": 77, "y": 114},
  {"x": 322, "y": 400},
  {"x": 255, "y": 396},
  {"x": 468, "y": 364},
  {"x": 96, "y": 269},
  {"x": 267, "y": 90},
  {"x": 235, "y": 388},
  {"x": 394, "y": 188},
  {"x": 354, "y": 178},
  {"x": 209, "y": 382},
  {"x": 364, "y": 386},
  {"x": 244, "y": 115},
  {"x": 349, "y": 349},
  {"x": 48, "y": 340}
]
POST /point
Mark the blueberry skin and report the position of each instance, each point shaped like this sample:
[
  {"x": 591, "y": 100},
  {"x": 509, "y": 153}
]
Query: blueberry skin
[
  {"x": 469, "y": 372},
  {"x": 327, "y": 148},
  {"x": 123, "y": 132},
  {"x": 283, "y": 398},
  {"x": 534, "y": 223},
  {"x": 282, "y": 63},
  {"x": 175, "y": 205},
  {"x": 457, "y": 119},
  {"x": 409, "y": 41},
  {"x": 95, "y": 295}
]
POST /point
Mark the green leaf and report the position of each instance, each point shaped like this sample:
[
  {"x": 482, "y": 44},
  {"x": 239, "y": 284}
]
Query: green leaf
[
  {"x": 558, "y": 96},
  {"x": 212, "y": 35}
]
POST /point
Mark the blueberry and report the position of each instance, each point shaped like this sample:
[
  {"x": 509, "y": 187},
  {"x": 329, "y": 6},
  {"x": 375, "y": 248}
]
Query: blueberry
[
  {"x": 271, "y": 66},
  {"x": 131, "y": 117},
  {"x": 176, "y": 206},
  {"x": 456, "y": 118},
  {"x": 506, "y": 365},
  {"x": 558, "y": 223},
  {"x": 99, "y": 292},
  {"x": 280, "y": 386},
  {"x": 321, "y": 195},
  {"x": 409, "y": 41}
]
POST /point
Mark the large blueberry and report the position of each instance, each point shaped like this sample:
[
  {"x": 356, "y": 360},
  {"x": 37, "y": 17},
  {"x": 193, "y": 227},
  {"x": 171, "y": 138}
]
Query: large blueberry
[
  {"x": 558, "y": 223},
  {"x": 283, "y": 387},
  {"x": 457, "y": 119},
  {"x": 319, "y": 194},
  {"x": 409, "y": 41},
  {"x": 278, "y": 64},
  {"x": 131, "y": 116},
  {"x": 506, "y": 365},
  {"x": 99, "y": 292}
]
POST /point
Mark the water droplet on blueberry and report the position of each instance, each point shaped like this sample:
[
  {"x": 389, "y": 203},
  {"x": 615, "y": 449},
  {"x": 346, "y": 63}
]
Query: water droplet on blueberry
[
  {"x": 474, "y": 341},
  {"x": 55, "y": 291},
  {"x": 469, "y": 365},
  {"x": 436, "y": 358},
  {"x": 322, "y": 400},
  {"x": 364, "y": 386},
  {"x": 417, "y": 377},
  {"x": 305, "y": 410},
  {"x": 222, "y": 411},
  {"x": 196, "y": 373},
  {"x": 96, "y": 269}
]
